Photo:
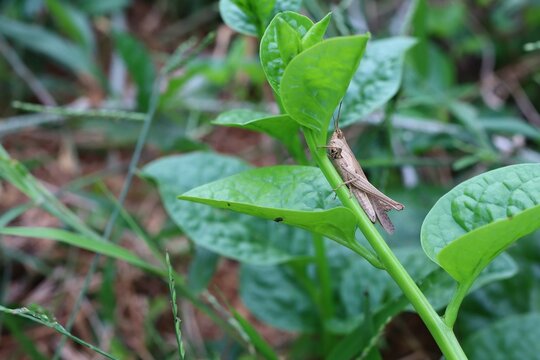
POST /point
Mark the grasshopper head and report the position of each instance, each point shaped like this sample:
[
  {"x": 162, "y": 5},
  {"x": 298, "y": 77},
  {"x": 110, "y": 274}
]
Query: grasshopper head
[{"x": 334, "y": 145}]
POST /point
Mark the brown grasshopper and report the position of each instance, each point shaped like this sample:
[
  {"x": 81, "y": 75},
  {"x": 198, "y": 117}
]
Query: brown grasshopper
[{"x": 374, "y": 202}]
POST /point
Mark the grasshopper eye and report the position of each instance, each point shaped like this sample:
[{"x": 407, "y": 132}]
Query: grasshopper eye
[{"x": 335, "y": 153}]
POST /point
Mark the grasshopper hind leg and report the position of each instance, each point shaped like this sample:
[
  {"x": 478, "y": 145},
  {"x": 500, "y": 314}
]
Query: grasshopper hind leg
[{"x": 382, "y": 216}]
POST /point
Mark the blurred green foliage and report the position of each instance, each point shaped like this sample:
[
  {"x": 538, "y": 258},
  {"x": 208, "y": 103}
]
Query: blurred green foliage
[{"x": 466, "y": 102}]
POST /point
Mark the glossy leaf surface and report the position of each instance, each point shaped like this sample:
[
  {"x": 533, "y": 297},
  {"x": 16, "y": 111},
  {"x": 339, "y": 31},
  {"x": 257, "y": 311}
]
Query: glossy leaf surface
[
  {"x": 273, "y": 47},
  {"x": 316, "y": 34},
  {"x": 480, "y": 218},
  {"x": 237, "y": 236},
  {"x": 311, "y": 98},
  {"x": 281, "y": 127},
  {"x": 293, "y": 195}
]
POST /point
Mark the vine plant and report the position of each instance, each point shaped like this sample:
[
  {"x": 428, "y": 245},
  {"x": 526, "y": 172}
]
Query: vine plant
[{"x": 463, "y": 233}]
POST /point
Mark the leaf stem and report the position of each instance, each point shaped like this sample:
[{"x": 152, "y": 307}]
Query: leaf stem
[
  {"x": 452, "y": 309},
  {"x": 324, "y": 296},
  {"x": 443, "y": 334},
  {"x": 363, "y": 252},
  {"x": 323, "y": 271}
]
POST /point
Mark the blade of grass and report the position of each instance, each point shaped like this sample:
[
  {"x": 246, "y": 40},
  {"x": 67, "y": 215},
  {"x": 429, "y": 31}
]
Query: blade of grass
[
  {"x": 46, "y": 320},
  {"x": 176, "y": 319},
  {"x": 73, "y": 112},
  {"x": 20, "y": 177},
  {"x": 121, "y": 198},
  {"x": 149, "y": 116},
  {"x": 16, "y": 174},
  {"x": 24, "y": 73},
  {"x": 257, "y": 340},
  {"x": 30, "y": 349},
  {"x": 132, "y": 223},
  {"x": 71, "y": 238}
]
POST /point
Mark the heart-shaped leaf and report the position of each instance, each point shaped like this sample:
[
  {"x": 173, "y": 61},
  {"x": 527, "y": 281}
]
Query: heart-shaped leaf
[
  {"x": 477, "y": 220},
  {"x": 241, "y": 237},
  {"x": 514, "y": 296},
  {"x": 294, "y": 195},
  {"x": 273, "y": 47},
  {"x": 377, "y": 79},
  {"x": 316, "y": 80}
]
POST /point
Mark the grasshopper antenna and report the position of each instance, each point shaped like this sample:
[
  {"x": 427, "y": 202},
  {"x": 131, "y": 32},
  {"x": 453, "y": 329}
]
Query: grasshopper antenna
[{"x": 336, "y": 119}]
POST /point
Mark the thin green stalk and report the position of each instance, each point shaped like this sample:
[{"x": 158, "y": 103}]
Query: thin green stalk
[
  {"x": 443, "y": 335},
  {"x": 71, "y": 112},
  {"x": 452, "y": 309},
  {"x": 365, "y": 253},
  {"x": 325, "y": 290},
  {"x": 132, "y": 223}
]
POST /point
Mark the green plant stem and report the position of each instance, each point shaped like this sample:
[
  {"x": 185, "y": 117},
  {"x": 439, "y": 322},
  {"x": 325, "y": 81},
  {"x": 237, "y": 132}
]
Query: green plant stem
[
  {"x": 365, "y": 253},
  {"x": 452, "y": 309},
  {"x": 443, "y": 334},
  {"x": 325, "y": 292}
]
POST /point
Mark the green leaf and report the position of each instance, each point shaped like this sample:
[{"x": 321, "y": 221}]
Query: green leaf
[
  {"x": 272, "y": 47},
  {"x": 439, "y": 287},
  {"x": 515, "y": 337},
  {"x": 510, "y": 126},
  {"x": 514, "y": 296},
  {"x": 70, "y": 238},
  {"x": 292, "y": 308},
  {"x": 288, "y": 40},
  {"x": 287, "y": 5},
  {"x": 43, "y": 318},
  {"x": 315, "y": 81},
  {"x": 42, "y": 41},
  {"x": 236, "y": 236},
  {"x": 256, "y": 339},
  {"x": 386, "y": 299},
  {"x": 72, "y": 22},
  {"x": 201, "y": 269},
  {"x": 102, "y": 7},
  {"x": 480, "y": 218},
  {"x": 316, "y": 33},
  {"x": 377, "y": 79},
  {"x": 287, "y": 307},
  {"x": 262, "y": 9},
  {"x": 139, "y": 65},
  {"x": 293, "y": 195},
  {"x": 281, "y": 127},
  {"x": 248, "y": 17}
]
